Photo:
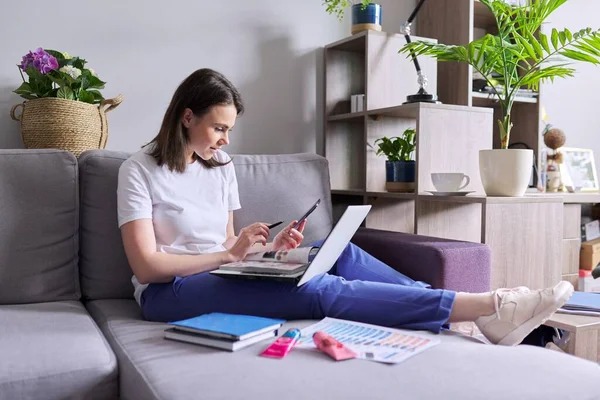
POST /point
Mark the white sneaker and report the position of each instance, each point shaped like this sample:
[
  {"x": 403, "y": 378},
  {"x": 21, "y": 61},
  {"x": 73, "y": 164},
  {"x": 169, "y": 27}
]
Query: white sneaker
[{"x": 519, "y": 311}]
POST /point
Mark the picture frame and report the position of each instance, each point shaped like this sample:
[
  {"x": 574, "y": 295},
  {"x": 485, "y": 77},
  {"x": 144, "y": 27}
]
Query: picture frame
[{"x": 578, "y": 169}]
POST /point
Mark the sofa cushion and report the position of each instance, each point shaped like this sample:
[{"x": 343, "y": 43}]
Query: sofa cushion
[
  {"x": 39, "y": 227},
  {"x": 271, "y": 187},
  {"x": 282, "y": 188},
  {"x": 54, "y": 351},
  {"x": 103, "y": 266},
  {"x": 152, "y": 367}
]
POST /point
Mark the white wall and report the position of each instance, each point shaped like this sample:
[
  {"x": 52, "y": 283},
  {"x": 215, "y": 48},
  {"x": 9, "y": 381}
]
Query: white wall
[
  {"x": 270, "y": 49},
  {"x": 572, "y": 103}
]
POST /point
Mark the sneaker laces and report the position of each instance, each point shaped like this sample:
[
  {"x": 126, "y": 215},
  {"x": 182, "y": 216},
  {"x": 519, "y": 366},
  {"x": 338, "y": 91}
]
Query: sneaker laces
[{"x": 501, "y": 294}]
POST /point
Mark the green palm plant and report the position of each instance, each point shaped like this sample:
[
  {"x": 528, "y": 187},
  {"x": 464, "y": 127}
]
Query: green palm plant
[{"x": 520, "y": 55}]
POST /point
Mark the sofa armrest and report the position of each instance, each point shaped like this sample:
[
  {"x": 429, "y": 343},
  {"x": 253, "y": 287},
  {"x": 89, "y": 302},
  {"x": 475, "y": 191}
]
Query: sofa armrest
[{"x": 443, "y": 263}]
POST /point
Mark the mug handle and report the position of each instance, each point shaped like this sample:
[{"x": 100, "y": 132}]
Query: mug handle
[{"x": 466, "y": 184}]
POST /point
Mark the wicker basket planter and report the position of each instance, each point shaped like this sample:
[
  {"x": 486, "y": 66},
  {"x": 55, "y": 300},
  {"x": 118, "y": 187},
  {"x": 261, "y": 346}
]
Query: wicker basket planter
[{"x": 58, "y": 123}]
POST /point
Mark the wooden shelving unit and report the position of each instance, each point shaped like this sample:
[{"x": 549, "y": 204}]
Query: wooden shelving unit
[
  {"x": 525, "y": 234},
  {"x": 448, "y": 136},
  {"x": 458, "y": 22}
]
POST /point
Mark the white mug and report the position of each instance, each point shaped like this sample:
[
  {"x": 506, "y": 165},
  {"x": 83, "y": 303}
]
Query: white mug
[{"x": 449, "y": 181}]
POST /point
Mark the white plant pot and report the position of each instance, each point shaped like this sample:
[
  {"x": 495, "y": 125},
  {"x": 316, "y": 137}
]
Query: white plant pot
[{"x": 505, "y": 172}]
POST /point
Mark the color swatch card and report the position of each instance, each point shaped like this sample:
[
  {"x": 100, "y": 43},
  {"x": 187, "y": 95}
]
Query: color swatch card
[{"x": 371, "y": 342}]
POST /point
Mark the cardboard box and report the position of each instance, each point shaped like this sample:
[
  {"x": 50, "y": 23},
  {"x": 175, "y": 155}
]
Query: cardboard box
[{"x": 589, "y": 257}]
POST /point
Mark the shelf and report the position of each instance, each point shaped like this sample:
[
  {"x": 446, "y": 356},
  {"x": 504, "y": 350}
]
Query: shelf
[
  {"x": 482, "y": 16},
  {"x": 569, "y": 198},
  {"x": 357, "y": 192},
  {"x": 346, "y": 116},
  {"x": 483, "y": 199},
  {"x": 393, "y": 195},
  {"x": 488, "y": 99},
  {"x": 348, "y": 192},
  {"x": 412, "y": 110},
  {"x": 355, "y": 43}
]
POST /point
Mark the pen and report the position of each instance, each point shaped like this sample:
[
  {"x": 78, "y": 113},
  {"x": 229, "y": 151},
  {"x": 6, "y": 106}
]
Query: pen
[{"x": 275, "y": 224}]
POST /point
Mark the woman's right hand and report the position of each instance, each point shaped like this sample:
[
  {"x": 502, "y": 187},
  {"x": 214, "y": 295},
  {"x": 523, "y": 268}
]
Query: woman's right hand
[{"x": 248, "y": 236}]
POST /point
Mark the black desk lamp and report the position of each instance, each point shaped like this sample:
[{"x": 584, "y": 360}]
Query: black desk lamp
[{"x": 422, "y": 96}]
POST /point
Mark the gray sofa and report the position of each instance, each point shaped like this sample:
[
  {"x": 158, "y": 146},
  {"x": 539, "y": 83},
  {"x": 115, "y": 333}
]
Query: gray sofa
[{"x": 70, "y": 329}]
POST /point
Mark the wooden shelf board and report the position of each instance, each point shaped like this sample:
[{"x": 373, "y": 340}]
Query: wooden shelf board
[
  {"x": 478, "y": 198},
  {"x": 470, "y": 198},
  {"x": 571, "y": 198},
  {"x": 487, "y": 99},
  {"x": 412, "y": 110},
  {"x": 346, "y": 116},
  {"x": 348, "y": 192},
  {"x": 355, "y": 43},
  {"x": 395, "y": 195}
]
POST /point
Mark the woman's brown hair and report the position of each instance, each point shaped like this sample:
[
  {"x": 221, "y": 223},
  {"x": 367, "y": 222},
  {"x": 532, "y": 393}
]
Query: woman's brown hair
[{"x": 199, "y": 92}]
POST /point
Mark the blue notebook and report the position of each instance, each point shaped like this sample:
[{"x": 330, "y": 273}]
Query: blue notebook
[
  {"x": 228, "y": 326},
  {"x": 583, "y": 301}
]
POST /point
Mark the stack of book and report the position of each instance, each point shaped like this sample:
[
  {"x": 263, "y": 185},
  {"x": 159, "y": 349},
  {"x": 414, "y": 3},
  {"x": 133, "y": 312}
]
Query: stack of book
[{"x": 224, "y": 331}]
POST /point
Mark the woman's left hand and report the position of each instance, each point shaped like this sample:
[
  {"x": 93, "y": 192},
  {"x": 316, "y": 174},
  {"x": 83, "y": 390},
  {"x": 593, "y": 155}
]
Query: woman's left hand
[{"x": 289, "y": 238}]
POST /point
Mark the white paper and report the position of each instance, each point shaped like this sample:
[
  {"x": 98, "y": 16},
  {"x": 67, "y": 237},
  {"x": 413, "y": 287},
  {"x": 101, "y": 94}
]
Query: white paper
[{"x": 370, "y": 342}]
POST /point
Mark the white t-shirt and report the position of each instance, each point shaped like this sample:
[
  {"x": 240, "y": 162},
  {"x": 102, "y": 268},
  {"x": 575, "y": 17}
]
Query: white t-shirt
[{"x": 189, "y": 210}]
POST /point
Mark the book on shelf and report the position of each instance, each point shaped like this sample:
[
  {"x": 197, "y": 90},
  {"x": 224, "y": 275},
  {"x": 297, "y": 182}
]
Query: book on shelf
[
  {"x": 226, "y": 331},
  {"x": 582, "y": 303},
  {"x": 282, "y": 261}
]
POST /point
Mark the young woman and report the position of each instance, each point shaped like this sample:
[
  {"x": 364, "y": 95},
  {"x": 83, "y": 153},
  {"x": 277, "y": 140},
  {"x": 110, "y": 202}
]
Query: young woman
[{"x": 176, "y": 198}]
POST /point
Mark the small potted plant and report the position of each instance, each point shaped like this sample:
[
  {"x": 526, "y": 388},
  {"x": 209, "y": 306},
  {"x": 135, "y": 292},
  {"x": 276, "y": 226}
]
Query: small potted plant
[
  {"x": 63, "y": 107},
  {"x": 366, "y": 15},
  {"x": 399, "y": 166}
]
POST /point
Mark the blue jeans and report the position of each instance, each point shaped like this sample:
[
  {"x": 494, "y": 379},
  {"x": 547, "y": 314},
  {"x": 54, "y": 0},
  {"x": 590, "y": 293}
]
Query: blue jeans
[{"x": 358, "y": 287}]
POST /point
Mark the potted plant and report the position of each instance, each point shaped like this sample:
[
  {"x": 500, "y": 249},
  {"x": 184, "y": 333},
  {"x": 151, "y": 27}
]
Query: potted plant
[
  {"x": 520, "y": 55},
  {"x": 399, "y": 166},
  {"x": 64, "y": 107},
  {"x": 365, "y": 14}
]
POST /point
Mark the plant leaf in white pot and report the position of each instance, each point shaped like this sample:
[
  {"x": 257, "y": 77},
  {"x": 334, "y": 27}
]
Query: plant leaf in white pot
[{"x": 520, "y": 55}]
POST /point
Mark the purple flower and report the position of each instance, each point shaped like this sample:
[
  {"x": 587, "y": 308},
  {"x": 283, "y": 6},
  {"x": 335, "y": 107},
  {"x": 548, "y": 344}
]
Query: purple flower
[{"x": 40, "y": 60}]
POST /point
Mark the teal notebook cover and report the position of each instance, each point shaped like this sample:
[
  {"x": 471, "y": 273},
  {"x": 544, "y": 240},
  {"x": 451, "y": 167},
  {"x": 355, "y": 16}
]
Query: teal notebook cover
[{"x": 235, "y": 326}]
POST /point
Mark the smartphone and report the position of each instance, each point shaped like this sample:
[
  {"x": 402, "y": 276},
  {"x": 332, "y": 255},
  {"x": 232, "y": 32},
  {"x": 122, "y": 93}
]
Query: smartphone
[{"x": 307, "y": 214}]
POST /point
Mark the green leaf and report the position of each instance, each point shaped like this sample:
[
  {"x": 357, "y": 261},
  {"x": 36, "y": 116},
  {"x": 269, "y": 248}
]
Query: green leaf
[
  {"x": 579, "y": 56},
  {"x": 25, "y": 88},
  {"x": 554, "y": 38},
  {"x": 86, "y": 97},
  {"x": 57, "y": 54},
  {"x": 78, "y": 62},
  {"x": 544, "y": 40},
  {"x": 587, "y": 49},
  {"x": 56, "y": 77},
  {"x": 528, "y": 48},
  {"x": 562, "y": 37},
  {"x": 568, "y": 34},
  {"x": 97, "y": 95},
  {"x": 536, "y": 46},
  {"x": 592, "y": 41},
  {"x": 65, "y": 93},
  {"x": 95, "y": 83}
]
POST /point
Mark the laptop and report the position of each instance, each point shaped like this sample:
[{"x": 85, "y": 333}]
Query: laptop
[{"x": 326, "y": 255}]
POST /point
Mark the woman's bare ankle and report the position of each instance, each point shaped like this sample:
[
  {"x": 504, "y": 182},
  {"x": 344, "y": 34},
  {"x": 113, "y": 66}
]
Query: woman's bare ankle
[{"x": 470, "y": 306}]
